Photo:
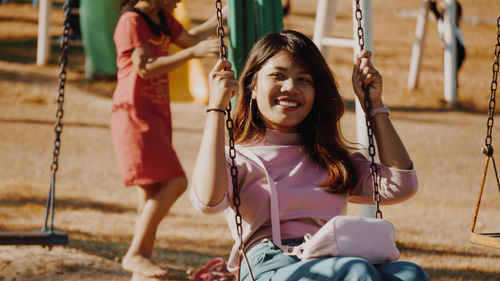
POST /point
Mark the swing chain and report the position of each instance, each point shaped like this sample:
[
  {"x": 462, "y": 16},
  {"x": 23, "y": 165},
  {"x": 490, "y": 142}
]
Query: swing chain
[
  {"x": 63, "y": 61},
  {"x": 359, "y": 17},
  {"x": 488, "y": 148},
  {"x": 367, "y": 104},
  {"x": 220, "y": 30},
  {"x": 230, "y": 126}
]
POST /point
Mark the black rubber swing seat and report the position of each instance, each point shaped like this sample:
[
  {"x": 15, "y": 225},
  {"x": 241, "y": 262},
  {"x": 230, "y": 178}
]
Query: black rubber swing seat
[
  {"x": 37, "y": 237},
  {"x": 486, "y": 239}
]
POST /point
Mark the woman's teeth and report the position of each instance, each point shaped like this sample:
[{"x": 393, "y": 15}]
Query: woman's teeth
[{"x": 288, "y": 103}]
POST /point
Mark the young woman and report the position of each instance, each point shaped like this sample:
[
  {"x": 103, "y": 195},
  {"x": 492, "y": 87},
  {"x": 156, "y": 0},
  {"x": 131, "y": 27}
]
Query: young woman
[
  {"x": 287, "y": 117},
  {"x": 140, "y": 119}
]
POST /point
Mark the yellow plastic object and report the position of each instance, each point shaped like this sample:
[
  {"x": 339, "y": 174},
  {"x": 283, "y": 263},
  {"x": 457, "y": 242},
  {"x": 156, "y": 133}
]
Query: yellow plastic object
[{"x": 189, "y": 81}]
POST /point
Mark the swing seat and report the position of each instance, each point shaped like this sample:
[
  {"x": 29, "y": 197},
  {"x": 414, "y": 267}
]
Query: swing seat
[
  {"x": 486, "y": 239},
  {"x": 37, "y": 237}
]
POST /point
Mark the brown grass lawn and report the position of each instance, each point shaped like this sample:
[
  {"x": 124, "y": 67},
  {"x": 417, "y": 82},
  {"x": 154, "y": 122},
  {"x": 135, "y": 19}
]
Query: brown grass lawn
[{"x": 432, "y": 229}]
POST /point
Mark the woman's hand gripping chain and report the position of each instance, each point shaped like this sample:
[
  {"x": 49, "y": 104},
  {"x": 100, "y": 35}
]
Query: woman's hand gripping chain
[
  {"x": 364, "y": 75},
  {"x": 223, "y": 85}
]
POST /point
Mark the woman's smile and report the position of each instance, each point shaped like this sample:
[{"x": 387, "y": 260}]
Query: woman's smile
[{"x": 287, "y": 103}]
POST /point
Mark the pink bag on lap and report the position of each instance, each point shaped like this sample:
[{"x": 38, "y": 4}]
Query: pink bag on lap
[{"x": 369, "y": 238}]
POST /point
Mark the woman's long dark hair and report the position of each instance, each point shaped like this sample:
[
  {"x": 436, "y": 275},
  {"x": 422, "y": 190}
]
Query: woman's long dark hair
[{"x": 320, "y": 130}]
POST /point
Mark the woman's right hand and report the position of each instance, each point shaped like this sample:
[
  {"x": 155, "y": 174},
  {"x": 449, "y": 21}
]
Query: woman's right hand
[{"x": 223, "y": 85}]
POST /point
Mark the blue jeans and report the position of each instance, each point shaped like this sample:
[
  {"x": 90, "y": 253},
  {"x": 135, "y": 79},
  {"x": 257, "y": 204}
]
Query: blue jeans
[{"x": 268, "y": 262}]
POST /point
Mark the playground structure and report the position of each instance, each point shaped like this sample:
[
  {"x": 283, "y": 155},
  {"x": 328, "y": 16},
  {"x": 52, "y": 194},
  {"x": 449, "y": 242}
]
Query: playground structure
[
  {"x": 325, "y": 16},
  {"x": 268, "y": 16}
]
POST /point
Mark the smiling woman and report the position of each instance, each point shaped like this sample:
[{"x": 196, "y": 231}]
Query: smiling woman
[{"x": 290, "y": 152}]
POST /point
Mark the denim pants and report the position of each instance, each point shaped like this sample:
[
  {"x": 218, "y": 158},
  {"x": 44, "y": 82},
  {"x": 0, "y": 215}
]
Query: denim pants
[{"x": 268, "y": 262}]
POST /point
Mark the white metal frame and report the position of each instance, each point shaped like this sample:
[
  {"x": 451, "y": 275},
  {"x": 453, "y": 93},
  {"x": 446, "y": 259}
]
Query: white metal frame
[
  {"x": 43, "y": 43},
  {"x": 450, "y": 50}
]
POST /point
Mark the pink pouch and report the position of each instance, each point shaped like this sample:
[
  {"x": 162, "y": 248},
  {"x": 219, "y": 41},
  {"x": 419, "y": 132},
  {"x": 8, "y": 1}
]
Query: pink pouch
[{"x": 369, "y": 238}]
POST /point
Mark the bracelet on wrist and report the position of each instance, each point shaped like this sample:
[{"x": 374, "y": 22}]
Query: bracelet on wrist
[
  {"x": 379, "y": 110},
  {"x": 217, "y": 110}
]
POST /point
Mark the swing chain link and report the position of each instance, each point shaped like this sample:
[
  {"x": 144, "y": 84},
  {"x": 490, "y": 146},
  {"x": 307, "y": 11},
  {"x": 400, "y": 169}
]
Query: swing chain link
[
  {"x": 367, "y": 104},
  {"x": 220, "y": 30},
  {"x": 488, "y": 148},
  {"x": 63, "y": 62},
  {"x": 230, "y": 126},
  {"x": 361, "y": 35}
]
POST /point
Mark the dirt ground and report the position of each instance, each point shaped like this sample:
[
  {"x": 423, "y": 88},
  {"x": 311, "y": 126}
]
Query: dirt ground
[{"x": 432, "y": 228}]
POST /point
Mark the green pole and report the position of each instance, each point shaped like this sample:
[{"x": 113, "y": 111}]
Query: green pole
[
  {"x": 98, "y": 19},
  {"x": 270, "y": 16},
  {"x": 248, "y": 21}
]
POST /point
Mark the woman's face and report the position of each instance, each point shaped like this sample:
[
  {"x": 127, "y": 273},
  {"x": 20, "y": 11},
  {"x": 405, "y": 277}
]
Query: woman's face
[{"x": 284, "y": 92}]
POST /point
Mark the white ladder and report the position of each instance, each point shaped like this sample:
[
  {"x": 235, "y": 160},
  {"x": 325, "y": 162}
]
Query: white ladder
[{"x": 325, "y": 16}]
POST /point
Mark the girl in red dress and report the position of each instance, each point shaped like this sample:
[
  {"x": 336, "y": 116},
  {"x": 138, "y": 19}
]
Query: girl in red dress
[{"x": 141, "y": 124}]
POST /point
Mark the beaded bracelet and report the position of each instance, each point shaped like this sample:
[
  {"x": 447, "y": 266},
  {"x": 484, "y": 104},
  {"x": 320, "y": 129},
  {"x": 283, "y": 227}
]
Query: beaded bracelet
[{"x": 216, "y": 109}]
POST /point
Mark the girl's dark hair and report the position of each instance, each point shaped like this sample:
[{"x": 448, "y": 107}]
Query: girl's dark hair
[
  {"x": 127, "y": 4},
  {"x": 320, "y": 130}
]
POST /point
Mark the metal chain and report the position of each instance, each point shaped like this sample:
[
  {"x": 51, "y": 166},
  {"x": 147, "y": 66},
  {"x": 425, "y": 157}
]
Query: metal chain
[
  {"x": 367, "y": 104},
  {"x": 220, "y": 30},
  {"x": 488, "y": 148},
  {"x": 229, "y": 125},
  {"x": 232, "y": 153},
  {"x": 63, "y": 61},
  {"x": 361, "y": 35}
]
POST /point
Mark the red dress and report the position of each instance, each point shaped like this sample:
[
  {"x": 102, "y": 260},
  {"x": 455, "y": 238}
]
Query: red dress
[{"x": 141, "y": 124}]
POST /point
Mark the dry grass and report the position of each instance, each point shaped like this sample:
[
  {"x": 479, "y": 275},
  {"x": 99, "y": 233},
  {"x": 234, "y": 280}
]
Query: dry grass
[{"x": 98, "y": 213}]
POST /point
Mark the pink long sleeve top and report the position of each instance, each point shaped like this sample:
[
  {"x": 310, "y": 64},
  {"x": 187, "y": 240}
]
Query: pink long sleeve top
[{"x": 303, "y": 206}]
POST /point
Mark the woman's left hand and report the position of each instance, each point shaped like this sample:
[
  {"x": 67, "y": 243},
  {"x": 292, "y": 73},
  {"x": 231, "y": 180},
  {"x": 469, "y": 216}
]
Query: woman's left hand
[{"x": 364, "y": 75}]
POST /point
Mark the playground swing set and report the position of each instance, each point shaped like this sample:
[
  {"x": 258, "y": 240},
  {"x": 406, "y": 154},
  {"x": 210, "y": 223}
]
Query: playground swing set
[
  {"x": 240, "y": 46},
  {"x": 48, "y": 236},
  {"x": 489, "y": 239}
]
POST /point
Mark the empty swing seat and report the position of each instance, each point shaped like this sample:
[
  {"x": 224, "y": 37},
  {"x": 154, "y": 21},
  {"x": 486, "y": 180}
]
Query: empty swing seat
[
  {"x": 38, "y": 237},
  {"x": 486, "y": 239}
]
